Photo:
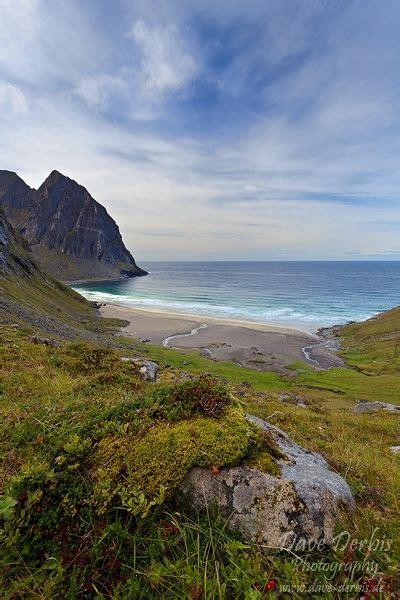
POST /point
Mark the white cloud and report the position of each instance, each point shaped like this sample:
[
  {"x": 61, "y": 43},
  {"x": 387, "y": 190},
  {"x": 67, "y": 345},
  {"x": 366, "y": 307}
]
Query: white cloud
[
  {"x": 158, "y": 64},
  {"x": 166, "y": 63},
  {"x": 12, "y": 100},
  {"x": 98, "y": 91}
]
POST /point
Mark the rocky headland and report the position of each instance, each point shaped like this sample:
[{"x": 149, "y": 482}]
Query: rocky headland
[{"x": 71, "y": 235}]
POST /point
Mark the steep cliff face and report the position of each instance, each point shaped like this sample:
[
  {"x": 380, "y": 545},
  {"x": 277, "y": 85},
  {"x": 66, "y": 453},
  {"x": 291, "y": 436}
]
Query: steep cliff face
[
  {"x": 16, "y": 197},
  {"x": 71, "y": 234}
]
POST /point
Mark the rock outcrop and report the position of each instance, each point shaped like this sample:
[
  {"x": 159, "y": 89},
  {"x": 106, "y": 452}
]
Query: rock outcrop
[
  {"x": 17, "y": 198},
  {"x": 299, "y": 508},
  {"x": 71, "y": 235},
  {"x": 15, "y": 256},
  {"x": 147, "y": 368},
  {"x": 367, "y": 407}
]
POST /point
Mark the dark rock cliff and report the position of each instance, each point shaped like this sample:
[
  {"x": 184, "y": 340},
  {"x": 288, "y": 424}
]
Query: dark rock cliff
[
  {"x": 71, "y": 234},
  {"x": 15, "y": 257},
  {"x": 17, "y": 198}
]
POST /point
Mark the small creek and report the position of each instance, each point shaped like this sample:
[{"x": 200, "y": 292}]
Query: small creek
[{"x": 168, "y": 339}]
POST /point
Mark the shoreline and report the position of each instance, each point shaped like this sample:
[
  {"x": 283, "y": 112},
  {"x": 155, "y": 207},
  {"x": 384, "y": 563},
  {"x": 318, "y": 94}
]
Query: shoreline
[
  {"x": 254, "y": 345},
  {"x": 257, "y": 325}
]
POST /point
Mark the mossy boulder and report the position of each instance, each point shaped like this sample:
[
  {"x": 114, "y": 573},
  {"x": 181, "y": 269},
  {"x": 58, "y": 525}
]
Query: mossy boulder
[
  {"x": 192, "y": 424},
  {"x": 161, "y": 458},
  {"x": 284, "y": 497}
]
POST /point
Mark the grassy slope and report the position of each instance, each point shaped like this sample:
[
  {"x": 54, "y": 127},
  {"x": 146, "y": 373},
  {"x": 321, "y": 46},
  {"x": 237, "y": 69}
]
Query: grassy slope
[
  {"x": 173, "y": 555},
  {"x": 372, "y": 349},
  {"x": 374, "y": 346},
  {"x": 71, "y": 268},
  {"x": 46, "y": 306}
]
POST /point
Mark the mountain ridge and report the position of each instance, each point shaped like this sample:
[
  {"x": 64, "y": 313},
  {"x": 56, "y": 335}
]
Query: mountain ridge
[{"x": 71, "y": 234}]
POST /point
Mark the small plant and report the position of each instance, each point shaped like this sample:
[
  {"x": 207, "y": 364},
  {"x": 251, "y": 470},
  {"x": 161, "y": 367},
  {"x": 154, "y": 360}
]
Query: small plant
[
  {"x": 204, "y": 396},
  {"x": 264, "y": 453}
]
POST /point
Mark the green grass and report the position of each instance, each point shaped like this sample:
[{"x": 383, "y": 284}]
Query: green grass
[
  {"x": 374, "y": 346},
  {"x": 68, "y": 535},
  {"x": 76, "y": 419},
  {"x": 355, "y": 385},
  {"x": 191, "y": 361}
]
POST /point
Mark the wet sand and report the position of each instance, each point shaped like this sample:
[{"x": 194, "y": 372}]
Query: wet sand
[{"x": 259, "y": 346}]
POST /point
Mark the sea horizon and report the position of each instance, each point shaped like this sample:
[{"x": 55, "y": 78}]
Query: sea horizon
[{"x": 302, "y": 294}]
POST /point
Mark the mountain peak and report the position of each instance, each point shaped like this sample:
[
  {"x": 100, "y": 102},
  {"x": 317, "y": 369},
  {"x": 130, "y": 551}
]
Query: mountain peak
[
  {"x": 16, "y": 197},
  {"x": 55, "y": 176},
  {"x": 71, "y": 234},
  {"x": 56, "y": 173},
  {"x": 6, "y": 172},
  {"x": 10, "y": 178}
]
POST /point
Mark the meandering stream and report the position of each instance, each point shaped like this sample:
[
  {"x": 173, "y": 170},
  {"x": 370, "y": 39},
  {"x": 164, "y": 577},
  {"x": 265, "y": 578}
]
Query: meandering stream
[{"x": 167, "y": 340}]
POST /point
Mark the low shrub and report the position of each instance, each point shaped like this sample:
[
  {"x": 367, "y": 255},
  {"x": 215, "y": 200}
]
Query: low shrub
[{"x": 204, "y": 395}]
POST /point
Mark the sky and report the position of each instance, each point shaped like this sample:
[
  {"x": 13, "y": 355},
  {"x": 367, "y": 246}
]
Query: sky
[{"x": 213, "y": 129}]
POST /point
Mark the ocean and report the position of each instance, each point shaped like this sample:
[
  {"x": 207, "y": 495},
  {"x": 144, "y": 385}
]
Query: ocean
[{"x": 306, "y": 295}]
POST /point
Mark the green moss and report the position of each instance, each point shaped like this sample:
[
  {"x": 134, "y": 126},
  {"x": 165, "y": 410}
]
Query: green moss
[
  {"x": 164, "y": 455},
  {"x": 265, "y": 463},
  {"x": 264, "y": 452}
]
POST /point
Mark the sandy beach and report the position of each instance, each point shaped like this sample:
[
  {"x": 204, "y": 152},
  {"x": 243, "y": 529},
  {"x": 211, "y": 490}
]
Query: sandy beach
[{"x": 259, "y": 346}]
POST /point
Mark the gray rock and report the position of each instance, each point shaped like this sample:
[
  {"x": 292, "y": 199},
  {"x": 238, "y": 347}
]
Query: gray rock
[
  {"x": 147, "y": 368},
  {"x": 45, "y": 341},
  {"x": 298, "y": 509},
  {"x": 395, "y": 449},
  {"x": 293, "y": 399},
  {"x": 366, "y": 407},
  {"x": 15, "y": 255},
  {"x": 309, "y": 472}
]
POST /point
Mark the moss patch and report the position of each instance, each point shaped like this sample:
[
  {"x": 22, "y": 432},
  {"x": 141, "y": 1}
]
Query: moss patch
[
  {"x": 264, "y": 453},
  {"x": 161, "y": 459},
  {"x": 264, "y": 462}
]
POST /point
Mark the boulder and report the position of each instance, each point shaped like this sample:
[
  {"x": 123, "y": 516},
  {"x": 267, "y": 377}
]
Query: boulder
[
  {"x": 147, "y": 368},
  {"x": 298, "y": 509},
  {"x": 366, "y": 407},
  {"x": 45, "y": 341},
  {"x": 293, "y": 399}
]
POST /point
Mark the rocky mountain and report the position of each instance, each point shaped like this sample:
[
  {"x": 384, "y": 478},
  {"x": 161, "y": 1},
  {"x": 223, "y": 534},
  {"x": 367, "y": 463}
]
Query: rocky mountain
[
  {"x": 71, "y": 235},
  {"x": 30, "y": 296},
  {"x": 33, "y": 300}
]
